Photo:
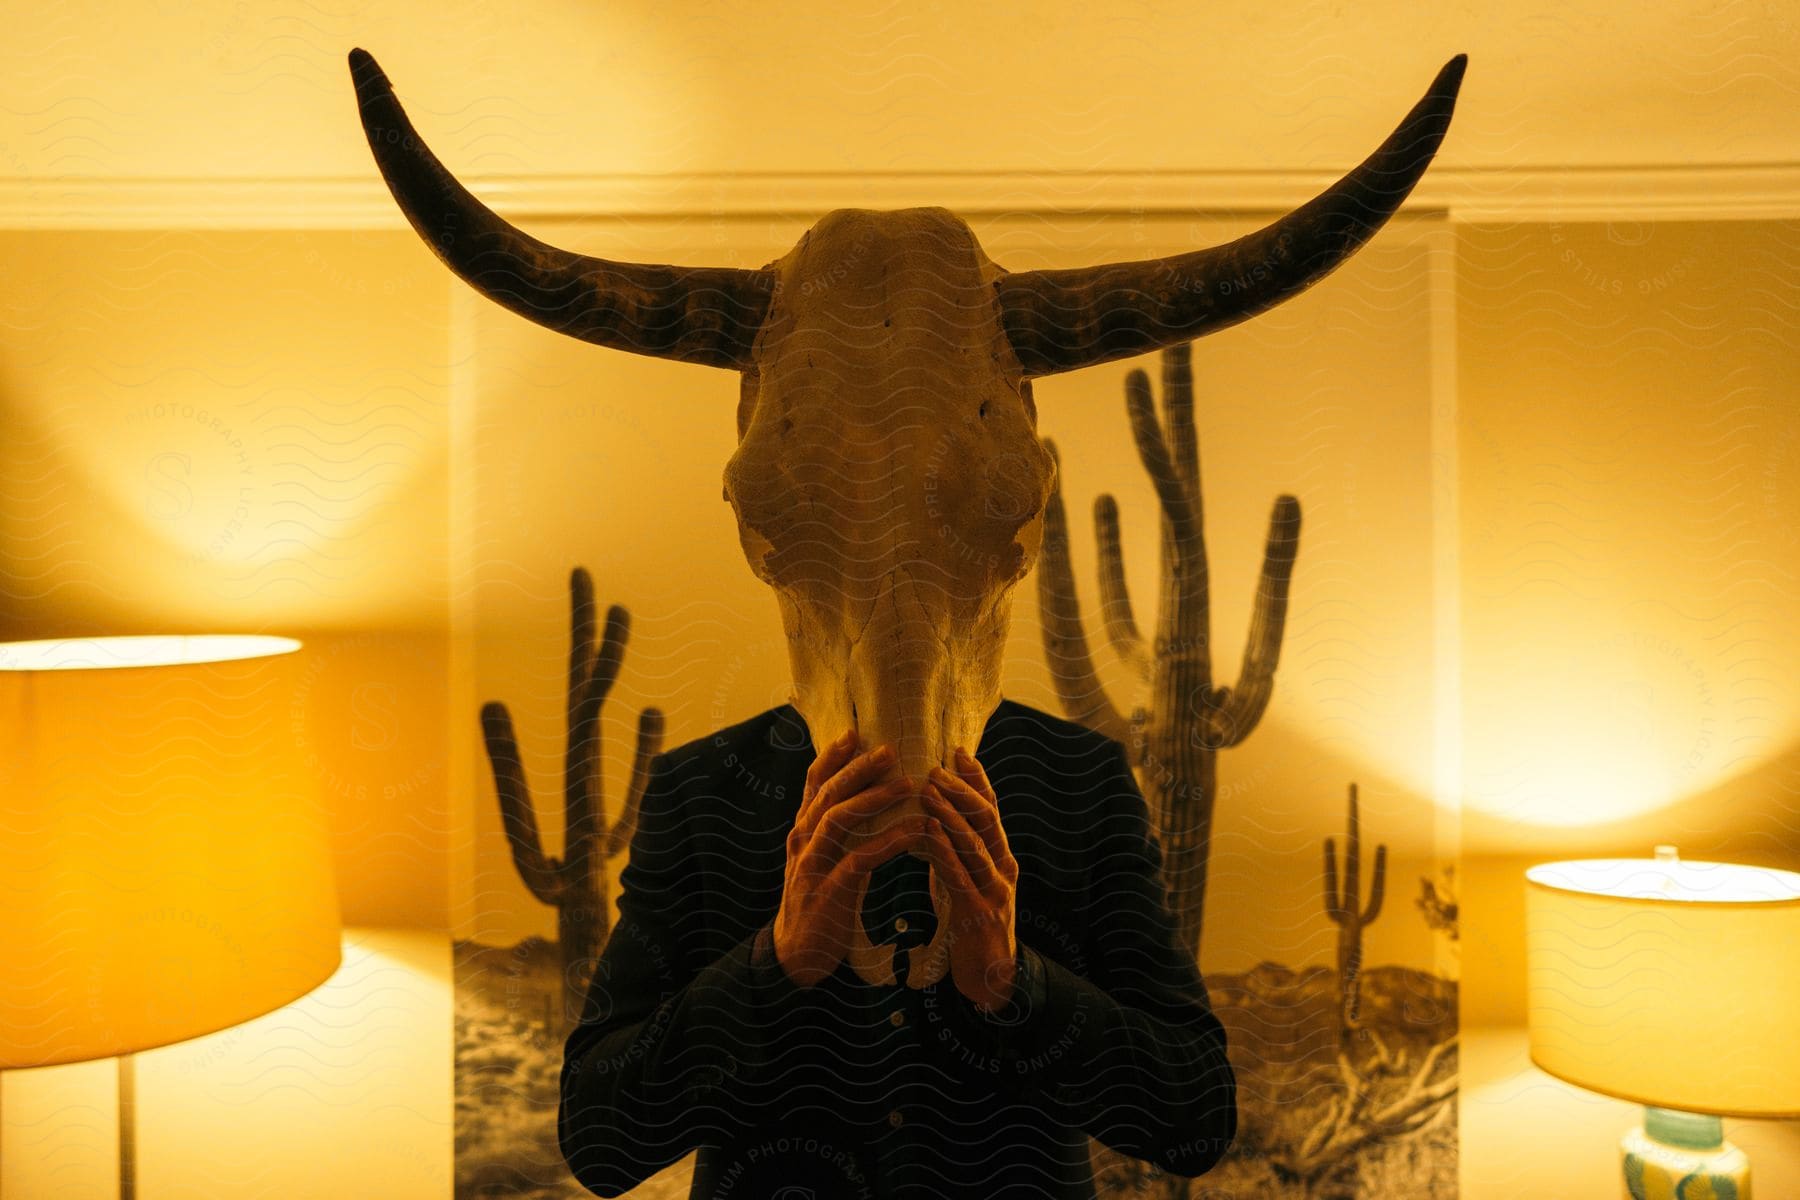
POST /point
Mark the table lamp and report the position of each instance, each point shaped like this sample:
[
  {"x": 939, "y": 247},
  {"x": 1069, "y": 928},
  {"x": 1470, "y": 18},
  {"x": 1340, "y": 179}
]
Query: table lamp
[
  {"x": 1675, "y": 985},
  {"x": 165, "y": 867}
]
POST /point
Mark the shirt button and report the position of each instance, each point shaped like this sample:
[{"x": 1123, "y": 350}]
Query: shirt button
[
  {"x": 896, "y": 1018},
  {"x": 900, "y": 925},
  {"x": 894, "y": 1118}
]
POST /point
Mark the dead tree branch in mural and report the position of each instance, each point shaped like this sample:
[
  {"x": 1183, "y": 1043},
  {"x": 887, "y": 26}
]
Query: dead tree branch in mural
[
  {"x": 1358, "y": 1116},
  {"x": 1343, "y": 911},
  {"x": 1174, "y": 743},
  {"x": 575, "y": 885}
]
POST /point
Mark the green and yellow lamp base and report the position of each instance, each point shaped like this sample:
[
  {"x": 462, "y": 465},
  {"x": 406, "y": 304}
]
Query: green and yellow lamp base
[{"x": 1683, "y": 1156}]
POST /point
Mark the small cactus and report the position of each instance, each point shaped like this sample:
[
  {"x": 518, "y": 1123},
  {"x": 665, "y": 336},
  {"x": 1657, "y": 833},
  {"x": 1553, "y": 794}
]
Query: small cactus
[{"x": 1342, "y": 909}]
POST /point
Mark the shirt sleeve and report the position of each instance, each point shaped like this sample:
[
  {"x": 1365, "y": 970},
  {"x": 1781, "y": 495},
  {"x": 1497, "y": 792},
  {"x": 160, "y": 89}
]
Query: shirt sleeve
[
  {"x": 668, "y": 1054},
  {"x": 1132, "y": 1052}
]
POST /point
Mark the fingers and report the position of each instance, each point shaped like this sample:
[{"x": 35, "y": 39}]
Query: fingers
[
  {"x": 972, "y": 773},
  {"x": 831, "y": 833},
  {"x": 948, "y": 864},
  {"x": 828, "y": 763},
  {"x": 968, "y": 848},
  {"x": 846, "y": 782},
  {"x": 843, "y": 880},
  {"x": 836, "y": 827},
  {"x": 982, "y": 814}
]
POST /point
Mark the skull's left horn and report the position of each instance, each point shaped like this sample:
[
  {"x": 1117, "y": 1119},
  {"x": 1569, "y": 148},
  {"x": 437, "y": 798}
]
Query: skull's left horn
[
  {"x": 1061, "y": 320},
  {"x": 706, "y": 315}
]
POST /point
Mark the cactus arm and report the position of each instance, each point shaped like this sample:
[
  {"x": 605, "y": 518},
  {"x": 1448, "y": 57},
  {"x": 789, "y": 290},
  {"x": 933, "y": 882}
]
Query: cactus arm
[
  {"x": 1332, "y": 908},
  {"x": 578, "y": 750},
  {"x": 543, "y": 876},
  {"x": 1239, "y": 708},
  {"x": 610, "y": 658},
  {"x": 581, "y": 640},
  {"x": 1377, "y": 885},
  {"x": 1183, "y": 687},
  {"x": 649, "y": 745},
  {"x": 588, "y": 686},
  {"x": 1153, "y": 452},
  {"x": 1065, "y": 644},
  {"x": 1178, "y": 412},
  {"x": 1115, "y": 598}
]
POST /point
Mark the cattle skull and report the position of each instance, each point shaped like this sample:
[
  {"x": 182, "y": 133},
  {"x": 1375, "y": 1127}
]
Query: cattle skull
[{"x": 889, "y": 483}]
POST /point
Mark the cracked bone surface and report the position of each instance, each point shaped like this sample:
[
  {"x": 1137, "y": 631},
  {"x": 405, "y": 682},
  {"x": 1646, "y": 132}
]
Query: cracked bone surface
[{"x": 889, "y": 483}]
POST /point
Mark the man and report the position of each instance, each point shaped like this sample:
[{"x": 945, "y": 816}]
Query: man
[{"x": 722, "y": 1016}]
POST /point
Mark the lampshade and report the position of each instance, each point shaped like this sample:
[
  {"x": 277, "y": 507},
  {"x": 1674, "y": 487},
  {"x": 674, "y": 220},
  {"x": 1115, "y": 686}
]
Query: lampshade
[
  {"x": 1669, "y": 983},
  {"x": 165, "y": 866}
]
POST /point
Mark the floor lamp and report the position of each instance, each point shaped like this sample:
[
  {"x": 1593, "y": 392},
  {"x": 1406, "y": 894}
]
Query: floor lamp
[{"x": 165, "y": 867}]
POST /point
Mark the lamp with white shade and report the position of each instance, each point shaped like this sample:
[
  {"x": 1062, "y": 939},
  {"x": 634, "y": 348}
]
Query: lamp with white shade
[{"x": 1675, "y": 985}]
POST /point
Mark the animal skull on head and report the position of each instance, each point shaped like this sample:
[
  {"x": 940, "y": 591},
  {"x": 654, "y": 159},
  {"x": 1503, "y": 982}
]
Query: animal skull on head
[{"x": 889, "y": 483}]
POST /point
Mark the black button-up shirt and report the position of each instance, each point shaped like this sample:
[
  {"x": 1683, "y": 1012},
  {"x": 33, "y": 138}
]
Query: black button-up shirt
[{"x": 693, "y": 1037}]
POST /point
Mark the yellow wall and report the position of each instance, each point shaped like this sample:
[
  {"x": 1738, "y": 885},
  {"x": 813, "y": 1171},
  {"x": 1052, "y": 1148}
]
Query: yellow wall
[
  {"x": 1630, "y": 450},
  {"x": 245, "y": 432},
  {"x": 259, "y": 91},
  {"x": 1631, "y": 568}
]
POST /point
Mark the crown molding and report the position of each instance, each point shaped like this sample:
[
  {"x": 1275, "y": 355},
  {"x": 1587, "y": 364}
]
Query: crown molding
[{"x": 1467, "y": 195}]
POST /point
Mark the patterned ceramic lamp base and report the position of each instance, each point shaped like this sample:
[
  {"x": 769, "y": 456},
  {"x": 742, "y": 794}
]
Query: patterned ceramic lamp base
[{"x": 1683, "y": 1156}]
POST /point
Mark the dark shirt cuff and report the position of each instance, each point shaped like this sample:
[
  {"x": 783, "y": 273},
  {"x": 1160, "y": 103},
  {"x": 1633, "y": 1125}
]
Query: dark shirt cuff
[
  {"x": 1008, "y": 1046},
  {"x": 765, "y": 969}
]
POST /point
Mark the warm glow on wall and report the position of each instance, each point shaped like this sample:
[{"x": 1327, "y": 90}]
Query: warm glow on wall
[
  {"x": 1628, "y": 501},
  {"x": 207, "y": 424},
  {"x": 1632, "y": 724}
]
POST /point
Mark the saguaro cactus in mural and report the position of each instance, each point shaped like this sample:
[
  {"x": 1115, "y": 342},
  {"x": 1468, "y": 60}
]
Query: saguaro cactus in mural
[
  {"x": 1389, "y": 1087},
  {"x": 575, "y": 884},
  {"x": 1342, "y": 908},
  {"x": 1174, "y": 742}
]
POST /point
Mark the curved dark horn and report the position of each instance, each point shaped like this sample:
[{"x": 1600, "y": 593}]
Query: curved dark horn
[
  {"x": 704, "y": 315},
  {"x": 1060, "y": 320}
]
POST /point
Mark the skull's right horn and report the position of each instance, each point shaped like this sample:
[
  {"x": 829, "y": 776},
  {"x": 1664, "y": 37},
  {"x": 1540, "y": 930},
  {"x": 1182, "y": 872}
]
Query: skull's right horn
[
  {"x": 706, "y": 315},
  {"x": 1061, "y": 320}
]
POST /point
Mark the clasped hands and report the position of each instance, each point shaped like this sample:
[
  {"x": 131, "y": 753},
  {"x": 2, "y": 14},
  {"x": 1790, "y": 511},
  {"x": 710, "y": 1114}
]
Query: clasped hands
[{"x": 958, "y": 832}]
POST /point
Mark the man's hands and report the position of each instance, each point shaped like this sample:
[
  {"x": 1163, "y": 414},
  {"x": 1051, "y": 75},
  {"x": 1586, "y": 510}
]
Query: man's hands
[
  {"x": 968, "y": 850},
  {"x": 824, "y": 878},
  {"x": 959, "y": 832}
]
